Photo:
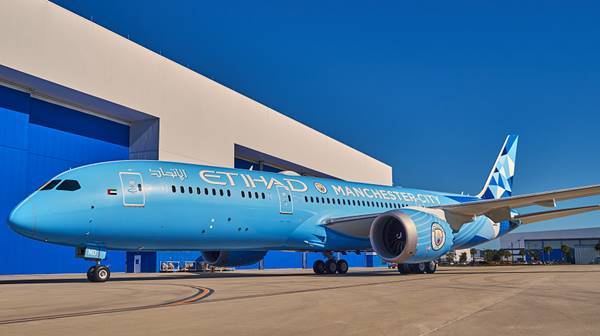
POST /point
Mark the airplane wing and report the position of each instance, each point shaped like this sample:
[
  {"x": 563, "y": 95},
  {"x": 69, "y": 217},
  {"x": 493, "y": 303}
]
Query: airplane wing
[
  {"x": 499, "y": 209},
  {"x": 353, "y": 226},
  {"x": 496, "y": 209},
  {"x": 546, "y": 215}
]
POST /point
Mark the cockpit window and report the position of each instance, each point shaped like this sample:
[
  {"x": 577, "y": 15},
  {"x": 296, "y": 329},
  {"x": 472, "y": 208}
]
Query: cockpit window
[
  {"x": 50, "y": 185},
  {"x": 69, "y": 185}
]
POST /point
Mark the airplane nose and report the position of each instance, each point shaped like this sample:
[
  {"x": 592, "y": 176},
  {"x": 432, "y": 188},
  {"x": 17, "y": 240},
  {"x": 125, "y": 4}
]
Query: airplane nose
[{"x": 22, "y": 219}]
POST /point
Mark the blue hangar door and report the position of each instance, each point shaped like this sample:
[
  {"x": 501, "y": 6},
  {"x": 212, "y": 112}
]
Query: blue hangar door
[{"x": 37, "y": 141}]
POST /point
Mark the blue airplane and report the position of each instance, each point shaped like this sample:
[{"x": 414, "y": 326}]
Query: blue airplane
[{"x": 235, "y": 216}]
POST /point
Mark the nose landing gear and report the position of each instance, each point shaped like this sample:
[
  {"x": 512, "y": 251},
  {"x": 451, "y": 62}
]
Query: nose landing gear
[{"x": 98, "y": 273}]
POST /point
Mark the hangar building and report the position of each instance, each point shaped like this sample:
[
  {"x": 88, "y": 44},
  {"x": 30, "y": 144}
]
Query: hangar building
[
  {"x": 581, "y": 242},
  {"x": 74, "y": 93}
]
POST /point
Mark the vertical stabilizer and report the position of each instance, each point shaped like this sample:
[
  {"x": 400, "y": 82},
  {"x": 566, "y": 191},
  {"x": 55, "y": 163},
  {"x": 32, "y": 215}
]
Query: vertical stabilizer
[{"x": 500, "y": 181}]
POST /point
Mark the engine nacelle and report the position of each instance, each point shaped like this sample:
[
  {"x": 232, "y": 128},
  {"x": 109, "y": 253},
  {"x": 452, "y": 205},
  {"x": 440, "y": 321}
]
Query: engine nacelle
[
  {"x": 232, "y": 258},
  {"x": 410, "y": 236}
]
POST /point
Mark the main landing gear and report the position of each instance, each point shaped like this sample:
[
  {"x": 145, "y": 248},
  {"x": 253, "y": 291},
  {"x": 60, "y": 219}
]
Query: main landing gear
[
  {"x": 419, "y": 268},
  {"x": 330, "y": 266}
]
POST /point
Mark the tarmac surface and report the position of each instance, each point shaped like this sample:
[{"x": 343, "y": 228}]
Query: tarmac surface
[{"x": 508, "y": 300}]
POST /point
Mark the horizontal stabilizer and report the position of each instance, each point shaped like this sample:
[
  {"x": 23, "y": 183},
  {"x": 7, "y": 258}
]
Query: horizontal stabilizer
[{"x": 546, "y": 215}]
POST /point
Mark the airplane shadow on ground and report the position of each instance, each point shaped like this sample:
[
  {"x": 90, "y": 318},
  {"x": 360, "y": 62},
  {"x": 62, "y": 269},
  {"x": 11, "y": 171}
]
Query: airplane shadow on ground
[
  {"x": 186, "y": 276},
  {"x": 224, "y": 275}
]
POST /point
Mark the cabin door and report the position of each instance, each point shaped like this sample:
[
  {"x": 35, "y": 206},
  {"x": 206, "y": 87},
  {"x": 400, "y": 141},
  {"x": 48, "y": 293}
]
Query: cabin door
[
  {"x": 132, "y": 188},
  {"x": 286, "y": 205}
]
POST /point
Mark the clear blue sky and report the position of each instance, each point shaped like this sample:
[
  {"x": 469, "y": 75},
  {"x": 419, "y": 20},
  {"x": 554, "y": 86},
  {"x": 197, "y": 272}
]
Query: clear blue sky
[{"x": 429, "y": 88}]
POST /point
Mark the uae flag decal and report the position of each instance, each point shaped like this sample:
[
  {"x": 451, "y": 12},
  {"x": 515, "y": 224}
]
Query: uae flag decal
[{"x": 111, "y": 191}]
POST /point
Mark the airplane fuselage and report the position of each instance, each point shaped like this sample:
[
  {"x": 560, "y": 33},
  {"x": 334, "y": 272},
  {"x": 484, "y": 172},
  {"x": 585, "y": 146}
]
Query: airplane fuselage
[{"x": 156, "y": 205}]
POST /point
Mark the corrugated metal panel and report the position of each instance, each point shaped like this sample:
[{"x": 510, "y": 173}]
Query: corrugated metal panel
[
  {"x": 31, "y": 154},
  {"x": 14, "y": 129},
  {"x": 585, "y": 255}
]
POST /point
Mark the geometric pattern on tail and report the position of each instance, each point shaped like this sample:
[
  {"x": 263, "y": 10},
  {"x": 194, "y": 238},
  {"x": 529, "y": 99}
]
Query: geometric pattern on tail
[{"x": 500, "y": 181}]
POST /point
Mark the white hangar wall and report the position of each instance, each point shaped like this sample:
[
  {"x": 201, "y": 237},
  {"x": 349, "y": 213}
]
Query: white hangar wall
[{"x": 174, "y": 113}]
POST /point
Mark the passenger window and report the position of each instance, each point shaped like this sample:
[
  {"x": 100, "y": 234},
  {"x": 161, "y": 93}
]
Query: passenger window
[
  {"x": 228, "y": 193},
  {"x": 311, "y": 199},
  {"x": 198, "y": 191},
  {"x": 323, "y": 200},
  {"x": 50, "y": 185},
  {"x": 306, "y": 199},
  {"x": 249, "y": 194},
  {"x": 205, "y": 191},
  {"x": 69, "y": 185},
  {"x": 289, "y": 198},
  {"x": 328, "y": 201},
  {"x": 243, "y": 194},
  {"x": 190, "y": 190},
  {"x": 221, "y": 192},
  {"x": 353, "y": 202},
  {"x": 317, "y": 199},
  {"x": 263, "y": 195},
  {"x": 214, "y": 192},
  {"x": 173, "y": 188},
  {"x": 181, "y": 189},
  {"x": 256, "y": 194}
]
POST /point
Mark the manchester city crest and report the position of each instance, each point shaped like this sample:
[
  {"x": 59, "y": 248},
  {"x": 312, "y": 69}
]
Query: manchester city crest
[
  {"x": 438, "y": 236},
  {"x": 320, "y": 187}
]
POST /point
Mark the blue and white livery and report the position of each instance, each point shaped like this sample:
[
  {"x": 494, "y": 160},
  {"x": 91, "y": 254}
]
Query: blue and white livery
[{"x": 235, "y": 216}]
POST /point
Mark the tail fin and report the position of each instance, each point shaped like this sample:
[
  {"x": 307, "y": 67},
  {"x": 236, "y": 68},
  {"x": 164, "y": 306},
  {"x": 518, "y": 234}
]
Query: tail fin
[{"x": 499, "y": 183}]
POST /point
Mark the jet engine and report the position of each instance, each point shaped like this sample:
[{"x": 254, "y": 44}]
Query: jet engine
[
  {"x": 232, "y": 258},
  {"x": 411, "y": 235}
]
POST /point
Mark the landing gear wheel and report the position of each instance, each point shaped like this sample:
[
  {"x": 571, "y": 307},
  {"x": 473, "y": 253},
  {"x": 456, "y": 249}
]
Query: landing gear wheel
[
  {"x": 342, "y": 266},
  {"x": 101, "y": 274},
  {"x": 330, "y": 266},
  {"x": 404, "y": 268},
  {"x": 418, "y": 268},
  {"x": 430, "y": 267},
  {"x": 319, "y": 267},
  {"x": 90, "y": 273}
]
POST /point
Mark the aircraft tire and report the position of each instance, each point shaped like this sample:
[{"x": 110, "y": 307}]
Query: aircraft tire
[
  {"x": 404, "y": 268},
  {"x": 90, "y": 273},
  {"x": 418, "y": 268},
  {"x": 319, "y": 267},
  {"x": 330, "y": 266},
  {"x": 430, "y": 267},
  {"x": 342, "y": 266},
  {"x": 101, "y": 274}
]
